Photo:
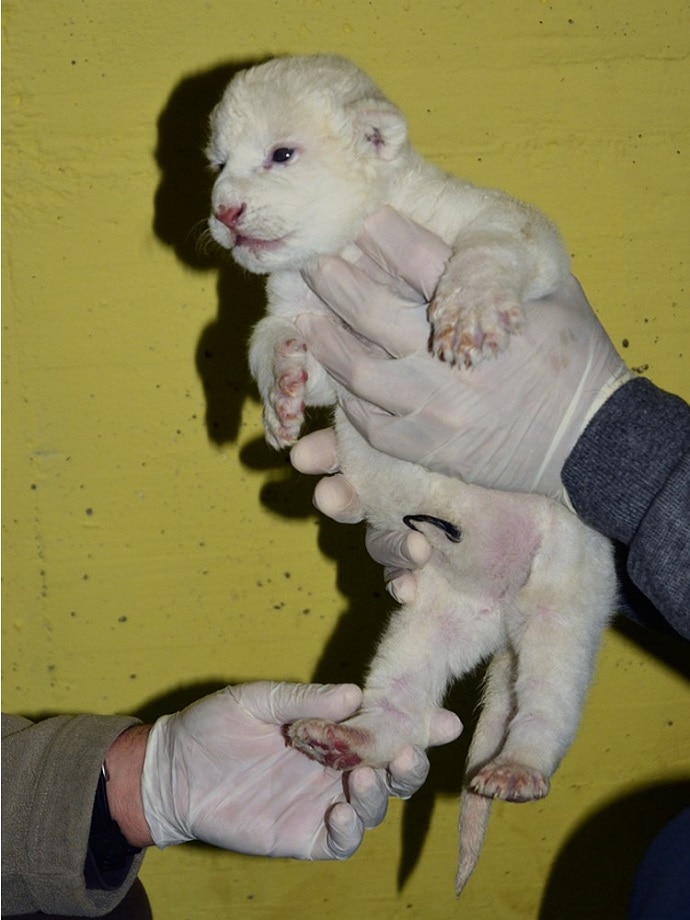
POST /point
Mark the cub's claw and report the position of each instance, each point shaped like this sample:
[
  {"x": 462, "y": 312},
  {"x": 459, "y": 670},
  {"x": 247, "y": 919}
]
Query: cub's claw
[{"x": 467, "y": 333}]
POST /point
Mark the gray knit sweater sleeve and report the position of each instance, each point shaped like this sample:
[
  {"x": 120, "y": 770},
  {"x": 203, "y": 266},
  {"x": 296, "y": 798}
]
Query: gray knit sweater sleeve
[
  {"x": 629, "y": 477},
  {"x": 50, "y": 770}
]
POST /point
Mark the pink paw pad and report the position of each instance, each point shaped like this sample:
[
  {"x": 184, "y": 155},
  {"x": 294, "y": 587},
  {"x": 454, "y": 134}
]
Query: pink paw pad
[
  {"x": 511, "y": 782},
  {"x": 292, "y": 347},
  {"x": 289, "y": 412},
  {"x": 292, "y": 382},
  {"x": 328, "y": 743}
]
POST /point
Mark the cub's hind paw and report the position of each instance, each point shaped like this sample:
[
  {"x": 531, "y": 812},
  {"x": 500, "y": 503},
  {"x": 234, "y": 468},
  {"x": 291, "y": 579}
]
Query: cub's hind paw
[
  {"x": 332, "y": 744},
  {"x": 510, "y": 781}
]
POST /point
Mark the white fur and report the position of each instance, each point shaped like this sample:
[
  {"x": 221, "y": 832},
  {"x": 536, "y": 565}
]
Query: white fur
[{"x": 528, "y": 585}]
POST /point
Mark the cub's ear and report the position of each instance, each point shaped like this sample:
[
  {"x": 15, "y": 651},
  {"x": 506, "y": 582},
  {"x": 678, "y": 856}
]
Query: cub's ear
[{"x": 379, "y": 128}]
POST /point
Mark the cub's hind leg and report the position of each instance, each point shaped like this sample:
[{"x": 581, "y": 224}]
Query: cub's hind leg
[
  {"x": 442, "y": 635},
  {"x": 556, "y": 632}
]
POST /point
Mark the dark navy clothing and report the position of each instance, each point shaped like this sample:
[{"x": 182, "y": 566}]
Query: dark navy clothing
[
  {"x": 628, "y": 476},
  {"x": 662, "y": 885}
]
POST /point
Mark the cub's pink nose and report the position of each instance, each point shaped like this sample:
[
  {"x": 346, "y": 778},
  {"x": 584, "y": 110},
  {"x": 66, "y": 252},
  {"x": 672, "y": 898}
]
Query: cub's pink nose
[{"x": 230, "y": 215}]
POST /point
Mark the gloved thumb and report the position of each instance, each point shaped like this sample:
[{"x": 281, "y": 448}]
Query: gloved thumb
[
  {"x": 335, "y": 497},
  {"x": 278, "y": 703},
  {"x": 445, "y": 727}
]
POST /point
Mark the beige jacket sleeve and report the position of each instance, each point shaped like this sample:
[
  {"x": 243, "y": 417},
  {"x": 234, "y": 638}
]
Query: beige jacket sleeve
[{"x": 50, "y": 771}]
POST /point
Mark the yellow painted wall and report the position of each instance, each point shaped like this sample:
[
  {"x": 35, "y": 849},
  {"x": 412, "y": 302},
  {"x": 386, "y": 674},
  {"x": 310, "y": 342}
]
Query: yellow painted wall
[{"x": 152, "y": 546}]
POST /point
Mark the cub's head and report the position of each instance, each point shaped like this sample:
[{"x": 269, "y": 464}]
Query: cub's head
[{"x": 304, "y": 149}]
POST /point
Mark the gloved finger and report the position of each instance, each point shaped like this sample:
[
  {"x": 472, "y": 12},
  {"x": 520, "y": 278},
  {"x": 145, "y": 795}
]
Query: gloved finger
[
  {"x": 410, "y": 768},
  {"x": 405, "y": 249},
  {"x": 315, "y": 453},
  {"x": 397, "y": 324},
  {"x": 368, "y": 795},
  {"x": 445, "y": 727},
  {"x": 345, "y": 831},
  {"x": 335, "y": 497},
  {"x": 396, "y": 285},
  {"x": 399, "y": 433},
  {"x": 407, "y": 772},
  {"x": 277, "y": 703},
  {"x": 404, "y": 549},
  {"x": 364, "y": 416},
  {"x": 401, "y": 584},
  {"x": 351, "y": 363}
]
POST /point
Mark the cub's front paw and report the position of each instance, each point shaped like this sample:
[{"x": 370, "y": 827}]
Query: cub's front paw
[
  {"x": 284, "y": 405},
  {"x": 470, "y": 325},
  {"x": 513, "y": 782},
  {"x": 333, "y": 744}
]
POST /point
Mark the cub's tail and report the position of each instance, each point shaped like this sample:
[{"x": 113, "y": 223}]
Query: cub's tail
[
  {"x": 489, "y": 736},
  {"x": 474, "y": 820}
]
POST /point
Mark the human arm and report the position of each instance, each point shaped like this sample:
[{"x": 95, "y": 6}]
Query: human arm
[
  {"x": 218, "y": 771},
  {"x": 50, "y": 772},
  {"x": 628, "y": 476},
  {"x": 508, "y": 424}
]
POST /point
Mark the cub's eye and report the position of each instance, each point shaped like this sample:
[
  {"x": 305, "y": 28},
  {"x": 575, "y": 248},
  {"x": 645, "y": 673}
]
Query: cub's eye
[{"x": 282, "y": 154}]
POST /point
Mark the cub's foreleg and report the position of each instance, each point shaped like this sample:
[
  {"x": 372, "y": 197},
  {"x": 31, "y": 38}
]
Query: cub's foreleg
[
  {"x": 507, "y": 255},
  {"x": 478, "y": 302},
  {"x": 288, "y": 378}
]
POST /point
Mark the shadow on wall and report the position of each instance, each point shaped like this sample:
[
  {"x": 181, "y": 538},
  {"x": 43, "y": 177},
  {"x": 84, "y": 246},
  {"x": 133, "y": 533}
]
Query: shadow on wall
[
  {"x": 593, "y": 874},
  {"x": 181, "y": 210}
]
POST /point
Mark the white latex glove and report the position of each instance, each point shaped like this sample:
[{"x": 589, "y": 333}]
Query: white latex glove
[
  {"x": 509, "y": 423},
  {"x": 220, "y": 771}
]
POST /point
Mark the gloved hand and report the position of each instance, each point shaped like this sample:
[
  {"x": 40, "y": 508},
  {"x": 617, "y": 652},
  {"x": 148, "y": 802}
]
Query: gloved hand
[
  {"x": 220, "y": 771},
  {"x": 509, "y": 423}
]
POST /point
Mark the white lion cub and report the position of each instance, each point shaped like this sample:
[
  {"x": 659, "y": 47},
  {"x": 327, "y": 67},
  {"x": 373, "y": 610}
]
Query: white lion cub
[{"x": 305, "y": 149}]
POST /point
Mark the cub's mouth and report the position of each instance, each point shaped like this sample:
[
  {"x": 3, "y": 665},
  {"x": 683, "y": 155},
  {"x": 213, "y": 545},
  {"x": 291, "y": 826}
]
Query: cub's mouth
[{"x": 256, "y": 245}]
